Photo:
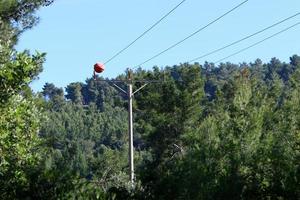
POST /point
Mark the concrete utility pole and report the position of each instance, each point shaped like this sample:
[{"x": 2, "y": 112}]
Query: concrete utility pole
[
  {"x": 130, "y": 95},
  {"x": 130, "y": 128},
  {"x": 98, "y": 67}
]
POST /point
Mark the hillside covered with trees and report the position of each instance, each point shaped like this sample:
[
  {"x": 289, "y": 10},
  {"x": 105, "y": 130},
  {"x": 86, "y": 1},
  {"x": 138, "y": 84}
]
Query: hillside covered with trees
[{"x": 226, "y": 131}]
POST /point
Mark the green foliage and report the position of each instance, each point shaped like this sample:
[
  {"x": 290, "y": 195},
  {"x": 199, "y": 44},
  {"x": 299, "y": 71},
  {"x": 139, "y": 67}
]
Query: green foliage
[
  {"x": 16, "y": 16},
  {"x": 87, "y": 143},
  {"x": 245, "y": 147},
  {"x": 19, "y": 123},
  {"x": 20, "y": 150},
  {"x": 202, "y": 132},
  {"x": 17, "y": 73},
  {"x": 74, "y": 93}
]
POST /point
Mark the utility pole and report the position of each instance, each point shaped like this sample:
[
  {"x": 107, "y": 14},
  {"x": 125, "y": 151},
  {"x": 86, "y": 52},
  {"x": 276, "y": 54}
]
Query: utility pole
[
  {"x": 130, "y": 128},
  {"x": 130, "y": 94},
  {"x": 99, "y": 68}
]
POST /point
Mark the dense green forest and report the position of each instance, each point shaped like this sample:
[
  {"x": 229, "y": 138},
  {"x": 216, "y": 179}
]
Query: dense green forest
[{"x": 226, "y": 131}]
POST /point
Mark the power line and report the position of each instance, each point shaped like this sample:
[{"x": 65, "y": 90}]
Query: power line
[
  {"x": 261, "y": 41},
  {"x": 245, "y": 38},
  {"x": 191, "y": 35},
  {"x": 145, "y": 32}
]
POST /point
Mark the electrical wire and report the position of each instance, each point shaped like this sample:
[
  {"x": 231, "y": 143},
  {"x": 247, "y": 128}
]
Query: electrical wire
[
  {"x": 144, "y": 33},
  {"x": 245, "y": 38},
  {"x": 261, "y": 41},
  {"x": 191, "y": 35}
]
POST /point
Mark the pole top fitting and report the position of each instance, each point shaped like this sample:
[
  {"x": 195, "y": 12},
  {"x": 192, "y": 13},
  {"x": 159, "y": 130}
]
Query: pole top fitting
[{"x": 129, "y": 74}]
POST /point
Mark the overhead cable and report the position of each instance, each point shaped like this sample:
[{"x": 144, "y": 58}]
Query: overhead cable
[
  {"x": 261, "y": 41},
  {"x": 191, "y": 35},
  {"x": 245, "y": 38},
  {"x": 144, "y": 33}
]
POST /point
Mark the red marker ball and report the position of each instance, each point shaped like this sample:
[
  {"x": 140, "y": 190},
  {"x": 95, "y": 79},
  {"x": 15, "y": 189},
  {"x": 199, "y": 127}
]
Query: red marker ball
[{"x": 99, "y": 67}]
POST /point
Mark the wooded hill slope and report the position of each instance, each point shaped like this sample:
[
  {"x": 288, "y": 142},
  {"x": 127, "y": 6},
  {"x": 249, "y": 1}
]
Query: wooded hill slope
[{"x": 204, "y": 132}]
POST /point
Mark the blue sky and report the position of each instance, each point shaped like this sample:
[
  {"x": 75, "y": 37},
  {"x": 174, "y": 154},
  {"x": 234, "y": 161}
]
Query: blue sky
[{"x": 77, "y": 33}]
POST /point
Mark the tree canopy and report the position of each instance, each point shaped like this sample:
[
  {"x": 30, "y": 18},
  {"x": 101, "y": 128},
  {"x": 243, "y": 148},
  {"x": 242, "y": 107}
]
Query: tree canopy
[{"x": 230, "y": 131}]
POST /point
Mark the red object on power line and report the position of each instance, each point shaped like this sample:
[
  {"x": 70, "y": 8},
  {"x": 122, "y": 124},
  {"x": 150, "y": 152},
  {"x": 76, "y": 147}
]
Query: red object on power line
[{"x": 99, "y": 67}]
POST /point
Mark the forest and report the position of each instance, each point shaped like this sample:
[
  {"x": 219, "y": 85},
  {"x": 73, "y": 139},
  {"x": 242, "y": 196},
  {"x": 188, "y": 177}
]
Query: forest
[{"x": 202, "y": 131}]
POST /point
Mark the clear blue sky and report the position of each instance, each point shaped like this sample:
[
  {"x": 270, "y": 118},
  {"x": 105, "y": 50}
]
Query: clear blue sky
[{"x": 77, "y": 33}]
